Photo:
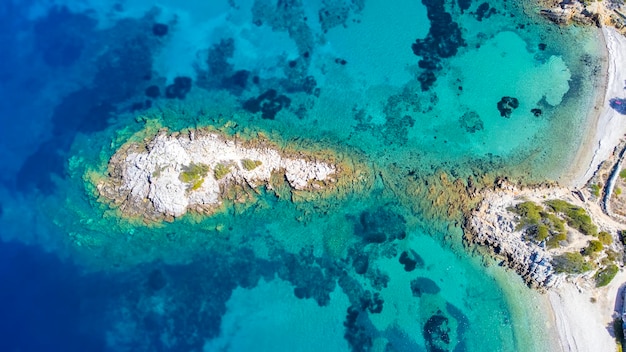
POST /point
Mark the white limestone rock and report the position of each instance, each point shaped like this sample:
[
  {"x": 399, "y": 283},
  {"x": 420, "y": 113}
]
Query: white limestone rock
[{"x": 151, "y": 176}]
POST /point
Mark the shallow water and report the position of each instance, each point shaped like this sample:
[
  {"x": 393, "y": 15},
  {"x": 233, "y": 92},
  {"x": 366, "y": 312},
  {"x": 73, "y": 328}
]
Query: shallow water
[{"x": 380, "y": 268}]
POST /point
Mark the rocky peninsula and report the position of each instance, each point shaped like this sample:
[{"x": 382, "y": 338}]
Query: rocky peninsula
[
  {"x": 169, "y": 174},
  {"x": 540, "y": 231}
]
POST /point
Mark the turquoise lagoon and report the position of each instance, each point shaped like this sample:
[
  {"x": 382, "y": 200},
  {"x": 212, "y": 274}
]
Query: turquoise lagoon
[{"x": 380, "y": 269}]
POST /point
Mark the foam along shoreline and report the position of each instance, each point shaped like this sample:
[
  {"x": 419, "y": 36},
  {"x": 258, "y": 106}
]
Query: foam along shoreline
[
  {"x": 608, "y": 128},
  {"x": 583, "y": 315}
]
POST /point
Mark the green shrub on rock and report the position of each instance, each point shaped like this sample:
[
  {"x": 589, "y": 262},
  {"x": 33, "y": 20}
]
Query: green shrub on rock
[
  {"x": 542, "y": 232},
  {"x": 194, "y": 175},
  {"x": 577, "y": 218},
  {"x": 553, "y": 241},
  {"x": 529, "y": 212},
  {"x": 595, "y": 189},
  {"x": 220, "y": 171},
  {"x": 605, "y": 238},
  {"x": 540, "y": 225},
  {"x": 593, "y": 247},
  {"x": 604, "y": 276},
  {"x": 197, "y": 184},
  {"x": 250, "y": 165},
  {"x": 571, "y": 263}
]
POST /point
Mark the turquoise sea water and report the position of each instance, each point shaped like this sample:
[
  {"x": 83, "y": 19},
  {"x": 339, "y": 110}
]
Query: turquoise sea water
[{"x": 434, "y": 97}]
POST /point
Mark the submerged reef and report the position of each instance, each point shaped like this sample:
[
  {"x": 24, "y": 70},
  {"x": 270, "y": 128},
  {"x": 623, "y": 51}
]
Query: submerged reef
[
  {"x": 443, "y": 41},
  {"x": 168, "y": 173}
]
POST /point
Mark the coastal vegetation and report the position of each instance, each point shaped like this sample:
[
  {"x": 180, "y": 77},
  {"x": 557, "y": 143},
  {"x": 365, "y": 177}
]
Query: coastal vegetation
[
  {"x": 539, "y": 224},
  {"x": 604, "y": 276},
  {"x": 576, "y": 217},
  {"x": 220, "y": 171},
  {"x": 193, "y": 175},
  {"x": 595, "y": 189},
  {"x": 546, "y": 223},
  {"x": 571, "y": 263},
  {"x": 593, "y": 247},
  {"x": 605, "y": 238},
  {"x": 250, "y": 165}
]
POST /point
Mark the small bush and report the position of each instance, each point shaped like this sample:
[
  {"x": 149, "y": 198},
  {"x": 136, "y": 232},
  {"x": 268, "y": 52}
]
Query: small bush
[
  {"x": 542, "y": 232},
  {"x": 540, "y": 225},
  {"x": 617, "y": 191},
  {"x": 622, "y": 174},
  {"x": 220, "y": 171},
  {"x": 604, "y": 276},
  {"x": 553, "y": 241},
  {"x": 193, "y": 173},
  {"x": 605, "y": 238},
  {"x": 559, "y": 206},
  {"x": 197, "y": 184},
  {"x": 529, "y": 212},
  {"x": 250, "y": 165},
  {"x": 577, "y": 218},
  {"x": 612, "y": 256},
  {"x": 593, "y": 247},
  {"x": 595, "y": 189},
  {"x": 571, "y": 263}
]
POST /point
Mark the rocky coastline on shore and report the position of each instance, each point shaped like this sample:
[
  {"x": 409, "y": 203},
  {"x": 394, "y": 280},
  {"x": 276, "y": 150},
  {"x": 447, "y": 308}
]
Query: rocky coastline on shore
[
  {"x": 582, "y": 274},
  {"x": 611, "y": 13},
  {"x": 547, "y": 234}
]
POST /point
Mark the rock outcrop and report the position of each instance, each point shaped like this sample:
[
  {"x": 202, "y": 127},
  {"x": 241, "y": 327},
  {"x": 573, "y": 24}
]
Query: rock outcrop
[
  {"x": 492, "y": 226},
  {"x": 597, "y": 13},
  {"x": 172, "y": 173}
]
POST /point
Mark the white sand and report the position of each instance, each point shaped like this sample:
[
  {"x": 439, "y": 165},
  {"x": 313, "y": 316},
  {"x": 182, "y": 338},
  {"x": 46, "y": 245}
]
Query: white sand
[
  {"x": 582, "y": 324},
  {"x": 609, "y": 127}
]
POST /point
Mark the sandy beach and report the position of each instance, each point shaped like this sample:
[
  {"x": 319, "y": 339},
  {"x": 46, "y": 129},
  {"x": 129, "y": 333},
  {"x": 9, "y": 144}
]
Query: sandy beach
[
  {"x": 608, "y": 127},
  {"x": 583, "y": 315}
]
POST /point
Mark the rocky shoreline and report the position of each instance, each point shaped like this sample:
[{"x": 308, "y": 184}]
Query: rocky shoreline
[
  {"x": 171, "y": 173},
  {"x": 494, "y": 227},
  {"x": 611, "y": 13}
]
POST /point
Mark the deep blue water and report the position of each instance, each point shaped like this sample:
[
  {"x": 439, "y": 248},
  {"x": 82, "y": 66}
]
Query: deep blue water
[{"x": 46, "y": 305}]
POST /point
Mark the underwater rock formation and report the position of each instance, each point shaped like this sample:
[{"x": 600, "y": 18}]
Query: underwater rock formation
[
  {"x": 269, "y": 104},
  {"x": 178, "y": 89},
  {"x": 437, "y": 333},
  {"x": 423, "y": 285},
  {"x": 160, "y": 29},
  {"x": 443, "y": 41},
  {"x": 471, "y": 122},
  {"x": 506, "y": 105},
  {"x": 411, "y": 260}
]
